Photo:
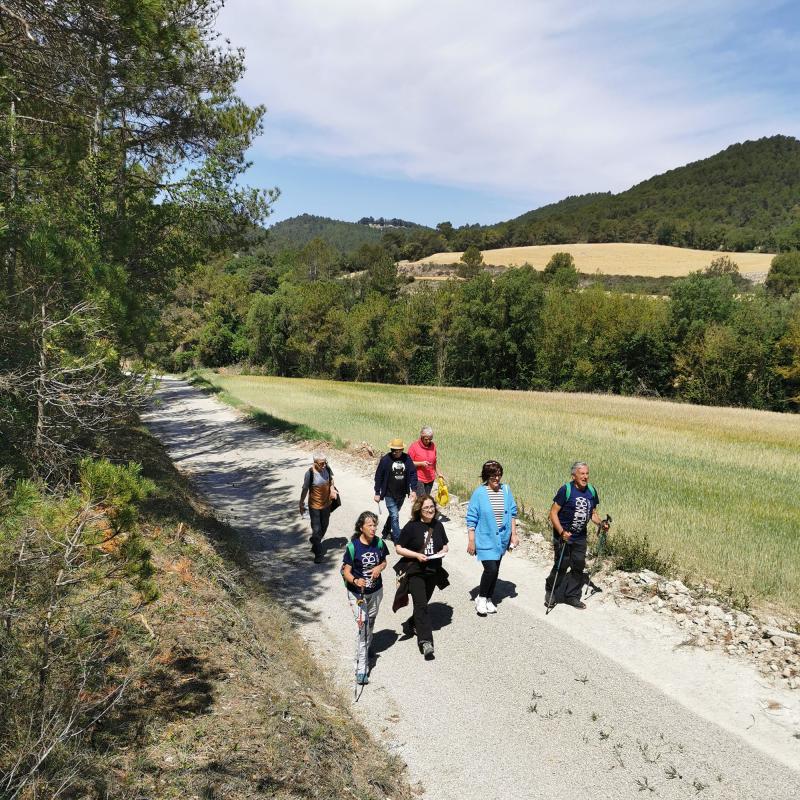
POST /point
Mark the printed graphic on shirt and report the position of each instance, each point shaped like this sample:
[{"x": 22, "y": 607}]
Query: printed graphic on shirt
[
  {"x": 397, "y": 479},
  {"x": 429, "y": 551},
  {"x": 583, "y": 511},
  {"x": 369, "y": 559}
]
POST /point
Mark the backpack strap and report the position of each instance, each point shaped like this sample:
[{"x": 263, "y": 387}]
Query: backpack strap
[
  {"x": 593, "y": 491},
  {"x": 351, "y": 550},
  {"x": 567, "y": 490},
  {"x": 380, "y": 545}
]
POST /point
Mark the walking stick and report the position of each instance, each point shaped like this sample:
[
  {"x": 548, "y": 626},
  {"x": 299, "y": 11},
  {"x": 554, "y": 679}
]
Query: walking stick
[
  {"x": 362, "y": 620},
  {"x": 602, "y": 529},
  {"x": 555, "y": 578}
]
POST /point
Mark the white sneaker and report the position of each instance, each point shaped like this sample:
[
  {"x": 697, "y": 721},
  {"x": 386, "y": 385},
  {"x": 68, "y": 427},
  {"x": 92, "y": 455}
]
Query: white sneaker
[
  {"x": 480, "y": 606},
  {"x": 491, "y": 608}
]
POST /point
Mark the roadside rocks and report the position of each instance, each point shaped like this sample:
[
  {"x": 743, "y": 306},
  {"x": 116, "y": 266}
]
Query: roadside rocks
[{"x": 709, "y": 623}]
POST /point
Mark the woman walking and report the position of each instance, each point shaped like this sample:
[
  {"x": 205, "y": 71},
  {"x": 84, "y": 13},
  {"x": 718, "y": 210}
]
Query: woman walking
[
  {"x": 492, "y": 527},
  {"x": 364, "y": 560},
  {"x": 423, "y": 543}
]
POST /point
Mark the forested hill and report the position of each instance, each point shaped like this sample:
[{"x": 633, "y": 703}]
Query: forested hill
[
  {"x": 746, "y": 197},
  {"x": 297, "y": 232}
]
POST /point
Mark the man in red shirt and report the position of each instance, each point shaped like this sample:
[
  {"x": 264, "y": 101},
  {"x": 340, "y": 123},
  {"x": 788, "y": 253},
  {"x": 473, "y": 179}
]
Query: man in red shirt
[{"x": 423, "y": 454}]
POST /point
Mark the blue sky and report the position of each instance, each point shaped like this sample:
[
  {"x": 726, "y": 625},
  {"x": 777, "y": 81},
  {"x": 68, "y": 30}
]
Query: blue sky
[{"x": 456, "y": 110}]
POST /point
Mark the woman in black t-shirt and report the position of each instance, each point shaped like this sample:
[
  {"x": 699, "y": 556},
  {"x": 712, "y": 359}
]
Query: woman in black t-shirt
[{"x": 423, "y": 542}]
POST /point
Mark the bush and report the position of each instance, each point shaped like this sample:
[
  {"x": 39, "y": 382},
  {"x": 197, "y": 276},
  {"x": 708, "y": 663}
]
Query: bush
[
  {"x": 636, "y": 553},
  {"x": 73, "y": 573},
  {"x": 783, "y": 278}
]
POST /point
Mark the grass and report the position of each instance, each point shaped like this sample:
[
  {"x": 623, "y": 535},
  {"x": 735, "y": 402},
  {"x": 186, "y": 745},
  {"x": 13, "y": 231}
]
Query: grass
[
  {"x": 613, "y": 258},
  {"x": 712, "y": 489}
]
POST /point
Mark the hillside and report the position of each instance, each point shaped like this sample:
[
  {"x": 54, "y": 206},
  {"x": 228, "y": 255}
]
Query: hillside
[
  {"x": 743, "y": 198},
  {"x": 297, "y": 232},
  {"x": 651, "y": 260}
]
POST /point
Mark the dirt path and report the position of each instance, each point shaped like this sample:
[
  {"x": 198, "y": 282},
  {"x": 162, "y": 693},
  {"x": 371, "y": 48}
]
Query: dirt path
[{"x": 595, "y": 704}]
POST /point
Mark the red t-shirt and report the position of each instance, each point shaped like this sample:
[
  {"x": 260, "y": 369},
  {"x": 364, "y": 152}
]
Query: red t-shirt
[{"x": 418, "y": 452}]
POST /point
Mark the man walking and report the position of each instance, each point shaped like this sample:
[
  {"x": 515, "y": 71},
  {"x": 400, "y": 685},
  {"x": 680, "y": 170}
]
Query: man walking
[
  {"x": 395, "y": 479},
  {"x": 318, "y": 485},
  {"x": 573, "y": 506}
]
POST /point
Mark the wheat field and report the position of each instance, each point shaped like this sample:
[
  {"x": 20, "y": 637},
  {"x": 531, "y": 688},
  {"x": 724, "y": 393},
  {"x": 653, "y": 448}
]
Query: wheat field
[
  {"x": 715, "y": 487},
  {"x": 650, "y": 260}
]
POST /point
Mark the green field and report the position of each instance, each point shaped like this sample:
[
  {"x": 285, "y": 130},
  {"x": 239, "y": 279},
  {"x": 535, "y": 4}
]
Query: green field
[{"x": 715, "y": 487}]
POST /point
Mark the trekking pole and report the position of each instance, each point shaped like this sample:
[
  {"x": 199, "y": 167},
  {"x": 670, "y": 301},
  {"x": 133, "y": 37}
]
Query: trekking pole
[
  {"x": 555, "y": 578},
  {"x": 362, "y": 620},
  {"x": 602, "y": 529}
]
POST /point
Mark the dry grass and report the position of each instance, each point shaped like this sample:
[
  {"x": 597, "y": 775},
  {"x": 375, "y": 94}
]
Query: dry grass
[
  {"x": 713, "y": 486},
  {"x": 652, "y": 260}
]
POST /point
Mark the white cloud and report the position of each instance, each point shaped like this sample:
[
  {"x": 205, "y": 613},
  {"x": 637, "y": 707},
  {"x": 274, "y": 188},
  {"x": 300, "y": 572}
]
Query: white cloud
[{"x": 537, "y": 99}]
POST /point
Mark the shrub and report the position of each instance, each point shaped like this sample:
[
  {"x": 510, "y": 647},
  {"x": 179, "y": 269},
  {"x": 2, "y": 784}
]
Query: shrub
[
  {"x": 73, "y": 573},
  {"x": 636, "y": 553}
]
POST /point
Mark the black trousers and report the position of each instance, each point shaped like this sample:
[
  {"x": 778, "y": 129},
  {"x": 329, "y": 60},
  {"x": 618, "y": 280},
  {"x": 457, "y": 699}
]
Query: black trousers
[
  {"x": 320, "y": 517},
  {"x": 421, "y": 587},
  {"x": 570, "y": 576},
  {"x": 491, "y": 569}
]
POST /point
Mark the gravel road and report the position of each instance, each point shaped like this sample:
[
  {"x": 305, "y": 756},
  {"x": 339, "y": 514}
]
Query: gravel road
[{"x": 595, "y": 704}]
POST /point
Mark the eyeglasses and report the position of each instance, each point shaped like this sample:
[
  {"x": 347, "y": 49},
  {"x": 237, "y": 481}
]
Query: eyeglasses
[
  {"x": 398, "y": 450},
  {"x": 322, "y": 463},
  {"x": 428, "y": 508}
]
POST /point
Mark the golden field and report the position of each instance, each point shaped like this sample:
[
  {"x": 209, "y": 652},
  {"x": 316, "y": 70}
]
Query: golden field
[
  {"x": 650, "y": 260},
  {"x": 715, "y": 487}
]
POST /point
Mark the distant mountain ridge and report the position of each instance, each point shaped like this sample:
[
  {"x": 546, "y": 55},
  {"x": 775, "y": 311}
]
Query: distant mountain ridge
[
  {"x": 297, "y": 232},
  {"x": 746, "y": 197},
  {"x": 743, "y": 198}
]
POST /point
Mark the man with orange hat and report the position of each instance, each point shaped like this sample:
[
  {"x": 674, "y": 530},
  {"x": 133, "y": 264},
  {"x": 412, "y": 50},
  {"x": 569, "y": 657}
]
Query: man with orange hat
[{"x": 395, "y": 479}]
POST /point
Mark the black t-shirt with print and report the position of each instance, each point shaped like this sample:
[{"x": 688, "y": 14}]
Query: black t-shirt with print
[
  {"x": 413, "y": 536},
  {"x": 397, "y": 479}
]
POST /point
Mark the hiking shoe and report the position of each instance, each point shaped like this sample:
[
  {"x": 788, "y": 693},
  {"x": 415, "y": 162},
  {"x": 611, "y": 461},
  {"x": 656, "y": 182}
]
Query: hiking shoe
[
  {"x": 362, "y": 679},
  {"x": 318, "y": 559},
  {"x": 480, "y": 606},
  {"x": 427, "y": 650},
  {"x": 577, "y": 604},
  {"x": 491, "y": 608}
]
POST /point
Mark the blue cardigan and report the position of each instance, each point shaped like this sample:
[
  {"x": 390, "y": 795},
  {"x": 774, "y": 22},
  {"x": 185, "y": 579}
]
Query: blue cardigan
[{"x": 491, "y": 542}]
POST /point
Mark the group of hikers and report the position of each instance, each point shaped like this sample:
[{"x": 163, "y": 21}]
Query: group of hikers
[{"x": 422, "y": 542}]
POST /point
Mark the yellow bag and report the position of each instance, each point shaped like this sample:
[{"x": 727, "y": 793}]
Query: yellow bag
[{"x": 442, "y": 496}]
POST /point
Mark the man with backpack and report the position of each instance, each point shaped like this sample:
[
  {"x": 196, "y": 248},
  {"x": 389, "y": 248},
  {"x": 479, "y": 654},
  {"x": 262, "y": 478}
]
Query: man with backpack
[
  {"x": 395, "y": 479},
  {"x": 318, "y": 484},
  {"x": 573, "y": 506}
]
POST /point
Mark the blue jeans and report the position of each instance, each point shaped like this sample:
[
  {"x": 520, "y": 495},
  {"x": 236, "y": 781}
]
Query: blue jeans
[{"x": 393, "y": 507}]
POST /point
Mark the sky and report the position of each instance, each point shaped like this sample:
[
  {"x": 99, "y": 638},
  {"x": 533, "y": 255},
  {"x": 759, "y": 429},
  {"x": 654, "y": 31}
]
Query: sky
[{"x": 470, "y": 111}]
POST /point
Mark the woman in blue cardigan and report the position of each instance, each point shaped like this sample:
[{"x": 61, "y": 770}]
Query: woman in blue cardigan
[{"x": 492, "y": 527}]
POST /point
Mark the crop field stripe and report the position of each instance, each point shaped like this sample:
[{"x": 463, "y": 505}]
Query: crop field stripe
[
  {"x": 613, "y": 258},
  {"x": 716, "y": 487}
]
